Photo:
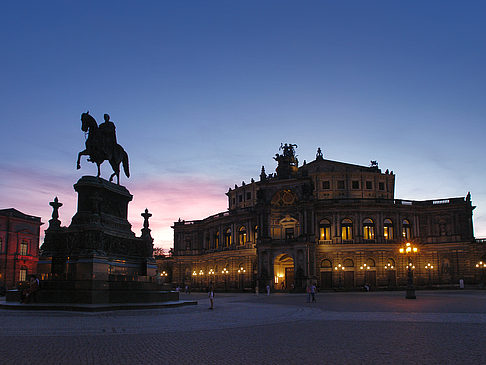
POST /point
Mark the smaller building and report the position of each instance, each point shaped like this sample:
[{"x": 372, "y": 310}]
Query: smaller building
[{"x": 19, "y": 246}]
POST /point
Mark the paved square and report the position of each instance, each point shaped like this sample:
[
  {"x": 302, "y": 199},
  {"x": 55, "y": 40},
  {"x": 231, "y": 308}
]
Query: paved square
[{"x": 341, "y": 328}]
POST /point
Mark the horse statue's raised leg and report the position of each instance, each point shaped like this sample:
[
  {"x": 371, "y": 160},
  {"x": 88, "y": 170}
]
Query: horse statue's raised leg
[{"x": 82, "y": 153}]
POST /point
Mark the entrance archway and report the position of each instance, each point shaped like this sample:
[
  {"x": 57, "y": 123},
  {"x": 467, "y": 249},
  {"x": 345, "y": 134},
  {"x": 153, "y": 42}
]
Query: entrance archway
[{"x": 283, "y": 269}]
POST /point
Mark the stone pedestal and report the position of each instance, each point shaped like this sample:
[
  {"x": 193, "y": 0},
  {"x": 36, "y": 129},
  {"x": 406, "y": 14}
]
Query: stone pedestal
[{"x": 98, "y": 259}]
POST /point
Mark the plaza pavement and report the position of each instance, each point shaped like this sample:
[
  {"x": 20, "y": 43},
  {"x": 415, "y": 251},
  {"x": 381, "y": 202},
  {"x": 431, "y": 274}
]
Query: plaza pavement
[{"x": 439, "y": 327}]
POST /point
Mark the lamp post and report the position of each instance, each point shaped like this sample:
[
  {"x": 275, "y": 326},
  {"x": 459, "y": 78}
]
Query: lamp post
[
  {"x": 481, "y": 266},
  {"x": 408, "y": 250},
  {"x": 429, "y": 268},
  {"x": 201, "y": 274},
  {"x": 225, "y": 273},
  {"x": 241, "y": 273},
  {"x": 210, "y": 276},
  {"x": 365, "y": 267},
  {"x": 389, "y": 268},
  {"x": 339, "y": 268},
  {"x": 163, "y": 275}
]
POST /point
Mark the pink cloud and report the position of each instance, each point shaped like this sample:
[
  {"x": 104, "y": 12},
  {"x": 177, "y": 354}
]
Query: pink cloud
[{"x": 168, "y": 198}]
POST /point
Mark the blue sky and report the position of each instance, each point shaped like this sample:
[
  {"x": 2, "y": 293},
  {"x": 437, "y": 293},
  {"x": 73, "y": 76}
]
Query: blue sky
[{"x": 203, "y": 93}]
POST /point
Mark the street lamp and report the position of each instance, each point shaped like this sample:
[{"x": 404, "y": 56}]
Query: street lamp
[
  {"x": 408, "y": 251},
  {"x": 339, "y": 268},
  {"x": 429, "y": 268},
  {"x": 225, "y": 273},
  {"x": 365, "y": 281},
  {"x": 210, "y": 276},
  {"x": 201, "y": 273},
  {"x": 481, "y": 266},
  {"x": 241, "y": 273}
]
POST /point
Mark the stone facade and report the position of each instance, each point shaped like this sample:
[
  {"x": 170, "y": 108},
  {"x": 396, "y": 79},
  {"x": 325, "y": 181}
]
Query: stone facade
[
  {"x": 334, "y": 223},
  {"x": 19, "y": 246}
]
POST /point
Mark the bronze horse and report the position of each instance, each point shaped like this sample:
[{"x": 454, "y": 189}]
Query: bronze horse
[{"x": 97, "y": 151}]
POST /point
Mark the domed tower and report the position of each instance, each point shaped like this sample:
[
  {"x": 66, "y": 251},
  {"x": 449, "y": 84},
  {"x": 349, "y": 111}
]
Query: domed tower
[{"x": 288, "y": 165}]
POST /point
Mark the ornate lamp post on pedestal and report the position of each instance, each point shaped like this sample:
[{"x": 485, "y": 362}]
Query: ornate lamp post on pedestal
[{"x": 408, "y": 251}]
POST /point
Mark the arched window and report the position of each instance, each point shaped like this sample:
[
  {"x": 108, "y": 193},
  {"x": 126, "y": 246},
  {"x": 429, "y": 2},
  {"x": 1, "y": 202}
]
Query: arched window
[
  {"x": 348, "y": 263},
  {"x": 242, "y": 235},
  {"x": 347, "y": 229},
  {"x": 368, "y": 229},
  {"x": 256, "y": 233},
  {"x": 388, "y": 229},
  {"x": 406, "y": 229},
  {"x": 326, "y": 264},
  {"x": 390, "y": 264},
  {"x": 370, "y": 262},
  {"x": 324, "y": 230},
  {"x": 216, "y": 239},
  {"x": 227, "y": 237}
]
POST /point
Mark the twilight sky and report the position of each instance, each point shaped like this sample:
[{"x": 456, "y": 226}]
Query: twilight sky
[{"x": 203, "y": 93}]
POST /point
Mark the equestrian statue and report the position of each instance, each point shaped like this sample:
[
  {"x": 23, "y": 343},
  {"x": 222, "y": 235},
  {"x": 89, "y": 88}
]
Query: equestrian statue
[{"x": 101, "y": 145}]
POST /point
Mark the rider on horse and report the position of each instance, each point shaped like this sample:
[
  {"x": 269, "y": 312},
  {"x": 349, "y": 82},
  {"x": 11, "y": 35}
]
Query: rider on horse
[{"x": 107, "y": 132}]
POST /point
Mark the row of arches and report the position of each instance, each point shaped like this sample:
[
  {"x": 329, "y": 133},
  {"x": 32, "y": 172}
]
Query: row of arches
[
  {"x": 368, "y": 229},
  {"x": 241, "y": 238},
  {"x": 349, "y": 263}
]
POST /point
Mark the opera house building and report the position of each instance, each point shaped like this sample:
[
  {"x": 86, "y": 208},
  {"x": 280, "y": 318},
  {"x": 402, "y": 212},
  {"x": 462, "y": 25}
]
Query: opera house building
[{"x": 336, "y": 224}]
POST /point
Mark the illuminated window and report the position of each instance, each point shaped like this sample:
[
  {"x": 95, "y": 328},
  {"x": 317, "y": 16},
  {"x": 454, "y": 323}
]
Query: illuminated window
[
  {"x": 23, "y": 274},
  {"x": 347, "y": 229},
  {"x": 406, "y": 229},
  {"x": 368, "y": 229},
  {"x": 326, "y": 185},
  {"x": 324, "y": 230},
  {"x": 24, "y": 248},
  {"x": 216, "y": 239},
  {"x": 355, "y": 184},
  {"x": 227, "y": 237},
  {"x": 256, "y": 233},
  {"x": 369, "y": 185},
  {"x": 388, "y": 229},
  {"x": 289, "y": 233},
  {"x": 242, "y": 235},
  {"x": 340, "y": 184}
]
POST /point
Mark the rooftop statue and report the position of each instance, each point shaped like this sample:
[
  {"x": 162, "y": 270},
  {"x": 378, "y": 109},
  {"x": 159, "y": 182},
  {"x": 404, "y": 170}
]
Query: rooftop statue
[{"x": 101, "y": 145}]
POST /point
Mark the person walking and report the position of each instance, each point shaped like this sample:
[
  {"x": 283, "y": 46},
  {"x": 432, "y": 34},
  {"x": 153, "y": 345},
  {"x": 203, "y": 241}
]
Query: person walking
[
  {"x": 268, "y": 289},
  {"x": 313, "y": 292},
  {"x": 211, "y": 295}
]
